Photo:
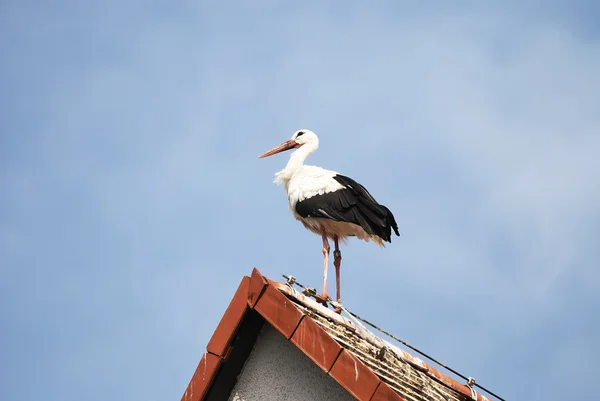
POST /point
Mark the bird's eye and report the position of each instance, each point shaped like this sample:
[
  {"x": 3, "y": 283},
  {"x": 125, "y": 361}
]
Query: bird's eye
[{"x": 299, "y": 133}]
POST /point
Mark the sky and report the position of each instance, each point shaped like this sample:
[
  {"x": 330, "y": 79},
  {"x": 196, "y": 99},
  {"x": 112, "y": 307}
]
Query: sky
[{"x": 133, "y": 200}]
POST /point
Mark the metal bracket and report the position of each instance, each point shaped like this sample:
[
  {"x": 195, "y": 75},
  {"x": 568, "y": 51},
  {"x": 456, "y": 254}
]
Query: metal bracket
[
  {"x": 290, "y": 280},
  {"x": 309, "y": 291}
]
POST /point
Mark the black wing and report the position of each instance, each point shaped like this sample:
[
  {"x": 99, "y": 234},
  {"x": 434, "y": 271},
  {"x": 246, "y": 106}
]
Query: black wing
[{"x": 352, "y": 204}]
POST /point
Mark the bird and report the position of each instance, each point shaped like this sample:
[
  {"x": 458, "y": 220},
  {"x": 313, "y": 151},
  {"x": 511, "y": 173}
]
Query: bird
[{"x": 330, "y": 204}]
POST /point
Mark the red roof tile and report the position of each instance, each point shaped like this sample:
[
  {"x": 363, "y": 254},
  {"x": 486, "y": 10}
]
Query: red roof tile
[
  {"x": 355, "y": 376},
  {"x": 316, "y": 344},
  {"x": 202, "y": 378},
  {"x": 279, "y": 310},
  {"x": 221, "y": 338}
]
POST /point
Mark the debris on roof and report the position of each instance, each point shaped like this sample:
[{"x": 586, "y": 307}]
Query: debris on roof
[{"x": 367, "y": 366}]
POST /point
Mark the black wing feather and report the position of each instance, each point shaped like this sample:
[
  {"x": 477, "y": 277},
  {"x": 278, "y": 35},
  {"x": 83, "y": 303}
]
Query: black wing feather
[{"x": 352, "y": 204}]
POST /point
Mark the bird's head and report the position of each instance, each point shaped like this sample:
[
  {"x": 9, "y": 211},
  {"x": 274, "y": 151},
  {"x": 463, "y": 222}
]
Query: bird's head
[{"x": 300, "y": 138}]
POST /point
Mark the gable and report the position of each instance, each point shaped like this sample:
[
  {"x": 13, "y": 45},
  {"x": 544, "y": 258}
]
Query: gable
[{"x": 278, "y": 371}]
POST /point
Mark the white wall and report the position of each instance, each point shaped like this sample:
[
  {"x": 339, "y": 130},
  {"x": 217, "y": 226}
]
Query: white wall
[{"x": 278, "y": 371}]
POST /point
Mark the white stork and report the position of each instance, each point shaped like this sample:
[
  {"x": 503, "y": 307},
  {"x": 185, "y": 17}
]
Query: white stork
[{"x": 330, "y": 204}]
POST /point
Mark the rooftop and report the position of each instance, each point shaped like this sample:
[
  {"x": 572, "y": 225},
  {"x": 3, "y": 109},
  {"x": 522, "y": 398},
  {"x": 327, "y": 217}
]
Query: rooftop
[{"x": 367, "y": 366}]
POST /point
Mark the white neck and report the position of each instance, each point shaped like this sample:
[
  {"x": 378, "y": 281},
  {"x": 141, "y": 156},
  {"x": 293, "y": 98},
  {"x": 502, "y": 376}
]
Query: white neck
[
  {"x": 296, "y": 161},
  {"x": 299, "y": 156}
]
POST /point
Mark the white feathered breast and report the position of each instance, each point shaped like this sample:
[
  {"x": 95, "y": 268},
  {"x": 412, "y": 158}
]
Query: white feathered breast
[{"x": 309, "y": 181}]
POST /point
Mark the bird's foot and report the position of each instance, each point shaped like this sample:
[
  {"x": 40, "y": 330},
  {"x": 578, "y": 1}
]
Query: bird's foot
[
  {"x": 337, "y": 306},
  {"x": 323, "y": 298}
]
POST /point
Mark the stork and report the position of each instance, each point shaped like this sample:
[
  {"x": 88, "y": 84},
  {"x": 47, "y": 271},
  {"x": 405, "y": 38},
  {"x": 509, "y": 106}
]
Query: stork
[{"x": 329, "y": 204}]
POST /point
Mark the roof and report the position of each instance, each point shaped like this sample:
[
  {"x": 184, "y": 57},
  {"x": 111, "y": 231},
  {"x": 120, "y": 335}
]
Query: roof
[{"x": 367, "y": 366}]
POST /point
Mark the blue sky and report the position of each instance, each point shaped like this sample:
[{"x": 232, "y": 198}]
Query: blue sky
[{"x": 133, "y": 201}]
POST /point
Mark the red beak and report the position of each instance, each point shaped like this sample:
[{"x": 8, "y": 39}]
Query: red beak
[{"x": 287, "y": 145}]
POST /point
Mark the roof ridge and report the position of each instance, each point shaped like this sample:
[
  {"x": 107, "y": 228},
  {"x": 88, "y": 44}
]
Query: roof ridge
[
  {"x": 362, "y": 332},
  {"x": 379, "y": 342}
]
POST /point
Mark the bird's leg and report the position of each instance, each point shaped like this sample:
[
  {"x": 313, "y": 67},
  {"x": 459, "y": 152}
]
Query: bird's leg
[
  {"x": 326, "y": 249},
  {"x": 337, "y": 255}
]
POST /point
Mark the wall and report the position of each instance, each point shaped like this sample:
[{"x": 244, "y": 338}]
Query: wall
[{"x": 278, "y": 371}]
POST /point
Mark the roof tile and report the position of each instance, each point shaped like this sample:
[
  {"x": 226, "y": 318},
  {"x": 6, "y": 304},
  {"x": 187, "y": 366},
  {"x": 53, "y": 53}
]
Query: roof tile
[
  {"x": 257, "y": 285},
  {"x": 229, "y": 322},
  {"x": 316, "y": 344},
  {"x": 355, "y": 376},
  {"x": 280, "y": 311},
  {"x": 202, "y": 378}
]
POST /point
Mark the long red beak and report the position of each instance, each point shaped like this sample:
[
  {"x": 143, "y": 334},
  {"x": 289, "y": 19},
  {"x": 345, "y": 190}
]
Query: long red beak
[{"x": 287, "y": 145}]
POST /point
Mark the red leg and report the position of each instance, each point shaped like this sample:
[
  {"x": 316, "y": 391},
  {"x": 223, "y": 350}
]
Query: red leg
[
  {"x": 326, "y": 249},
  {"x": 336, "y": 262}
]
